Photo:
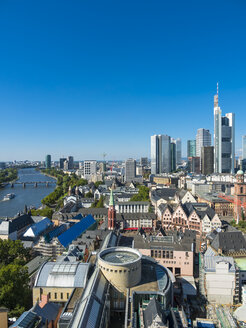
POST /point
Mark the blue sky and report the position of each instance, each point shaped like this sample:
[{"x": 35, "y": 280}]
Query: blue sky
[{"x": 85, "y": 77}]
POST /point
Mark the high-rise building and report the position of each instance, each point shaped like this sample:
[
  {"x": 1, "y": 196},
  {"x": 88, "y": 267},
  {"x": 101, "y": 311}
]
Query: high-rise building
[
  {"x": 62, "y": 160},
  {"x": 178, "y": 151},
  {"x": 160, "y": 154},
  {"x": 154, "y": 154},
  {"x": 207, "y": 160},
  {"x": 48, "y": 161},
  {"x": 130, "y": 170},
  {"x": 70, "y": 162},
  {"x": 90, "y": 168},
  {"x": 173, "y": 156},
  {"x": 224, "y": 139},
  {"x": 194, "y": 165},
  {"x": 191, "y": 148},
  {"x": 144, "y": 161},
  {"x": 244, "y": 147},
  {"x": 203, "y": 139}
]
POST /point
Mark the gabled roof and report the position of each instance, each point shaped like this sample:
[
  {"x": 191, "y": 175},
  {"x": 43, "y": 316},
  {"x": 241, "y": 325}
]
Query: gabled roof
[
  {"x": 152, "y": 311},
  {"x": 48, "y": 312},
  {"x": 16, "y": 224},
  {"x": 37, "y": 228},
  {"x": 67, "y": 237},
  {"x": 229, "y": 241},
  {"x": 164, "y": 193}
]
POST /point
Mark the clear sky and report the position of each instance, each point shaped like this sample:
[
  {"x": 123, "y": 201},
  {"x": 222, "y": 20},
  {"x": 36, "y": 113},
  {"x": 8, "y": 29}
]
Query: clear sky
[{"x": 83, "y": 77}]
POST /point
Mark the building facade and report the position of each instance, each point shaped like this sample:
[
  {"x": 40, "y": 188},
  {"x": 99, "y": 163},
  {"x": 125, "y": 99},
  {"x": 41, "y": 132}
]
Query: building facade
[
  {"x": 160, "y": 154},
  {"x": 48, "y": 161},
  {"x": 191, "y": 148},
  {"x": 90, "y": 168},
  {"x": 130, "y": 170},
  {"x": 207, "y": 160},
  {"x": 203, "y": 139}
]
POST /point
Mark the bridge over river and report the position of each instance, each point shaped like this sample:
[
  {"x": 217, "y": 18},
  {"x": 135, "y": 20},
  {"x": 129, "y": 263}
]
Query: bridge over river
[{"x": 34, "y": 183}]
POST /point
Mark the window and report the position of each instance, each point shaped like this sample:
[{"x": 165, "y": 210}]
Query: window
[
  {"x": 61, "y": 296},
  {"x": 55, "y": 296},
  {"x": 67, "y": 295}
]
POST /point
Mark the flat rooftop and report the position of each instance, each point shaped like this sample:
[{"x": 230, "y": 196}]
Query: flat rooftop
[
  {"x": 120, "y": 257},
  {"x": 154, "y": 278}
]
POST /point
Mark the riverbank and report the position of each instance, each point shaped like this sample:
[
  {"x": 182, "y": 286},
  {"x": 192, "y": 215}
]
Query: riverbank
[{"x": 30, "y": 196}]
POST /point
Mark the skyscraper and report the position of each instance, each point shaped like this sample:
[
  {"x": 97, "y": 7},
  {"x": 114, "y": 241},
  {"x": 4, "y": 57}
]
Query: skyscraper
[
  {"x": 70, "y": 162},
  {"x": 48, "y": 161},
  {"x": 173, "y": 156},
  {"x": 154, "y": 140},
  {"x": 224, "y": 139},
  {"x": 203, "y": 139},
  {"x": 207, "y": 160},
  {"x": 62, "y": 160},
  {"x": 178, "y": 151},
  {"x": 160, "y": 154},
  {"x": 191, "y": 148},
  {"x": 244, "y": 147},
  {"x": 130, "y": 170}
]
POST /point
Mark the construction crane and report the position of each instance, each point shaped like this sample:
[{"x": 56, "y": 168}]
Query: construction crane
[{"x": 104, "y": 155}]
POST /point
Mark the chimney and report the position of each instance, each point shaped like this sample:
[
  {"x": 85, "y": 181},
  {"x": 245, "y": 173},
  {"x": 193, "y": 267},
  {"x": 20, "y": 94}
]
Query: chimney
[{"x": 44, "y": 300}]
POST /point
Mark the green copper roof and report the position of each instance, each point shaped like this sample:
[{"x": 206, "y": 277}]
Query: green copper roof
[
  {"x": 111, "y": 200},
  {"x": 240, "y": 172}
]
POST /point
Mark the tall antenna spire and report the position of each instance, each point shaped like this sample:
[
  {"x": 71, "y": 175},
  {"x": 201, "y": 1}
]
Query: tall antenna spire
[{"x": 217, "y": 88}]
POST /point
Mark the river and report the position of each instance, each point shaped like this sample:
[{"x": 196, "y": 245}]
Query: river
[{"x": 29, "y": 195}]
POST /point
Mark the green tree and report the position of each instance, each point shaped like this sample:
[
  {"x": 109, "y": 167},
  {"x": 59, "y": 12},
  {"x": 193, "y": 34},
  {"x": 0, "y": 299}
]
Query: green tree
[
  {"x": 15, "y": 293},
  {"x": 13, "y": 251},
  {"x": 100, "y": 202},
  {"x": 143, "y": 194},
  {"x": 98, "y": 183},
  {"x": 43, "y": 212}
]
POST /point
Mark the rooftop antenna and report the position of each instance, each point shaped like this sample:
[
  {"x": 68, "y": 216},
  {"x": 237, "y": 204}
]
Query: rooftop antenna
[{"x": 217, "y": 88}]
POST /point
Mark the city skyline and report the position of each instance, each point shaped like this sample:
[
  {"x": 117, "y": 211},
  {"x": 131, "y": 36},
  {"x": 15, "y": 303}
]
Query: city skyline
[{"x": 68, "y": 83}]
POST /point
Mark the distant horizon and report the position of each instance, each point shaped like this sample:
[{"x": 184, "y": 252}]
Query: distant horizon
[{"x": 89, "y": 78}]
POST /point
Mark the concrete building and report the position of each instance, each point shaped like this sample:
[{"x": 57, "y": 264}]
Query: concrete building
[
  {"x": 130, "y": 170},
  {"x": 178, "y": 257},
  {"x": 191, "y": 148},
  {"x": 203, "y": 139},
  {"x": 132, "y": 207},
  {"x": 122, "y": 281},
  {"x": 224, "y": 139},
  {"x": 90, "y": 168},
  {"x": 220, "y": 279},
  {"x": 207, "y": 160},
  {"x": 48, "y": 161}
]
